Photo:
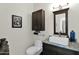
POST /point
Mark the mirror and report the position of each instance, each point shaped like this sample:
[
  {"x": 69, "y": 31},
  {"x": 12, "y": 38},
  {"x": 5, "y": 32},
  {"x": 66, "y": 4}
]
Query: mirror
[{"x": 61, "y": 22}]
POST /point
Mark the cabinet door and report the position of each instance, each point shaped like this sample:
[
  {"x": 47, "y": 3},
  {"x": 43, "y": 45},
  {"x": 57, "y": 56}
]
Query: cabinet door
[
  {"x": 34, "y": 21},
  {"x": 39, "y": 20}
]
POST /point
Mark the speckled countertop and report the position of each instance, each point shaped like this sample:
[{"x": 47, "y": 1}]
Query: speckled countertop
[{"x": 72, "y": 45}]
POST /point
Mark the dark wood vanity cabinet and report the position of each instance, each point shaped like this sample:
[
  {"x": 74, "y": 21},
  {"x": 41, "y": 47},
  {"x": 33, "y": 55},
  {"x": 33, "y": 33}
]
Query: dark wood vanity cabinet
[
  {"x": 49, "y": 49},
  {"x": 38, "y": 20}
]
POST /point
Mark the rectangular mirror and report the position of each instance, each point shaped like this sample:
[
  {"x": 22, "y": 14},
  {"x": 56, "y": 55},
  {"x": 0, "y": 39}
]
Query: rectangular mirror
[{"x": 61, "y": 22}]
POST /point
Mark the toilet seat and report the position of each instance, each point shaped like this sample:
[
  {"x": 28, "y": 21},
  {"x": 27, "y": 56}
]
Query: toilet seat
[{"x": 34, "y": 50}]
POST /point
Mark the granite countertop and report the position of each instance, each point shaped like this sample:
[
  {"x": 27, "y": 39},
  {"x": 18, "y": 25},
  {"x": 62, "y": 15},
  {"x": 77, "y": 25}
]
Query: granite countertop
[{"x": 72, "y": 45}]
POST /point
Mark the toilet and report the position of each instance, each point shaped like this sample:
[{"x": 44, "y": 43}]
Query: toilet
[{"x": 36, "y": 49}]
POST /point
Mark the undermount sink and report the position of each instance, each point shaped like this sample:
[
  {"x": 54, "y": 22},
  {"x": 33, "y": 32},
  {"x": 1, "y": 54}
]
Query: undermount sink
[{"x": 59, "y": 40}]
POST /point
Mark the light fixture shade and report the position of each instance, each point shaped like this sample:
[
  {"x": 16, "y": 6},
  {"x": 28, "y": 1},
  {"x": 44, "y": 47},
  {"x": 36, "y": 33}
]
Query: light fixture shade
[{"x": 61, "y": 6}]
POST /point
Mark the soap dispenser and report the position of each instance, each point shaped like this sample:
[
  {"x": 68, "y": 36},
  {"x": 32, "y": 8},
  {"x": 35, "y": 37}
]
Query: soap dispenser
[{"x": 72, "y": 36}]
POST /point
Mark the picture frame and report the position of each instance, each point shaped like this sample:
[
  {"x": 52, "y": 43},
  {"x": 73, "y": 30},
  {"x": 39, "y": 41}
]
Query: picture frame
[{"x": 16, "y": 21}]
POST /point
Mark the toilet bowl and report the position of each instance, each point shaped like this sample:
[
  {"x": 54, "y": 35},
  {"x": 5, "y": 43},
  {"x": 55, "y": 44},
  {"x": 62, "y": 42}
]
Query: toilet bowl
[{"x": 36, "y": 49}]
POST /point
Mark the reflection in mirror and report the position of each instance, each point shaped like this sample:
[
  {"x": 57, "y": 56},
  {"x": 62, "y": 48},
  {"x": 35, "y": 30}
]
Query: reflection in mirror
[{"x": 60, "y": 23}]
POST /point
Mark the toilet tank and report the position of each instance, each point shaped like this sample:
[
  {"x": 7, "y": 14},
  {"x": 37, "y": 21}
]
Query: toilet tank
[{"x": 38, "y": 43}]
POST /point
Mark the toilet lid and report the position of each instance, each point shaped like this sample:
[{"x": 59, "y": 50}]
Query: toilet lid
[{"x": 32, "y": 50}]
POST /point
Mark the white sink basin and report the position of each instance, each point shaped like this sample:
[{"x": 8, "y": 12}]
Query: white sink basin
[{"x": 59, "y": 40}]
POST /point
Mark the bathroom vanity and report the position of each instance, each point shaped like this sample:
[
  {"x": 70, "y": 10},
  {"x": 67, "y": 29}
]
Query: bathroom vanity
[{"x": 50, "y": 48}]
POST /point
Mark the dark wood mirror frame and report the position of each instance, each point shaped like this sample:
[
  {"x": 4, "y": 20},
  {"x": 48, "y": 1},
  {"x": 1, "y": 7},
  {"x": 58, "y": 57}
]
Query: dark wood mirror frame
[{"x": 66, "y": 22}]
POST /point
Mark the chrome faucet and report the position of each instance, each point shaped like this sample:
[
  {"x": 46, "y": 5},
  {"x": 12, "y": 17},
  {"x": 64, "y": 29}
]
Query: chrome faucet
[{"x": 59, "y": 34}]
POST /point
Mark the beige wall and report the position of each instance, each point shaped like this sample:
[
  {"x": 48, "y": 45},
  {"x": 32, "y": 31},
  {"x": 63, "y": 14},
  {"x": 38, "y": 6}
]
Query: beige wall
[
  {"x": 19, "y": 38},
  {"x": 73, "y": 19},
  {"x": 48, "y": 20}
]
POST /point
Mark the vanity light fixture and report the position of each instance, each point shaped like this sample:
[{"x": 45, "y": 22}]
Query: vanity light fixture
[{"x": 60, "y": 6}]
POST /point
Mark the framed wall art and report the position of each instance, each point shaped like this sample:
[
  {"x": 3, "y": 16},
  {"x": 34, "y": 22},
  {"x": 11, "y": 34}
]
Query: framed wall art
[{"x": 16, "y": 21}]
